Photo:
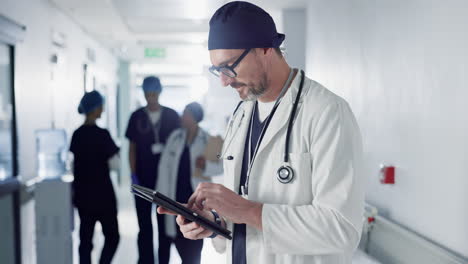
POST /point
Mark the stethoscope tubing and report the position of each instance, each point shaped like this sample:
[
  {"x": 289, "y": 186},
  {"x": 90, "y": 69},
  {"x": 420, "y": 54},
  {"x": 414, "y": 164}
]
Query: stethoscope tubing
[
  {"x": 287, "y": 139},
  {"x": 291, "y": 119}
]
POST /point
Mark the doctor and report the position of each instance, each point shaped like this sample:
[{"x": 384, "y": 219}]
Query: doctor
[
  {"x": 294, "y": 186},
  {"x": 181, "y": 159}
]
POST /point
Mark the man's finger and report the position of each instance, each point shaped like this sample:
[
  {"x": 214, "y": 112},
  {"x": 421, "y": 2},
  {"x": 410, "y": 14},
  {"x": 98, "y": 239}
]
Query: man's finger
[
  {"x": 194, "y": 233},
  {"x": 162, "y": 210},
  {"x": 206, "y": 194},
  {"x": 201, "y": 196},
  {"x": 204, "y": 234},
  {"x": 191, "y": 201},
  {"x": 199, "y": 202},
  {"x": 189, "y": 227},
  {"x": 195, "y": 208},
  {"x": 197, "y": 197},
  {"x": 210, "y": 204},
  {"x": 180, "y": 220},
  {"x": 192, "y": 198}
]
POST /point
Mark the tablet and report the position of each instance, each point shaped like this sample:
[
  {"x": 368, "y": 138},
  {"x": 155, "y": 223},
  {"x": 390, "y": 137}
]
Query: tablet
[{"x": 164, "y": 201}]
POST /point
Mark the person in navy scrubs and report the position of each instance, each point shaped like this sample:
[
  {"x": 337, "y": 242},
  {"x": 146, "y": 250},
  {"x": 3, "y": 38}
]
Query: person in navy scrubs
[
  {"x": 93, "y": 193},
  {"x": 148, "y": 129}
]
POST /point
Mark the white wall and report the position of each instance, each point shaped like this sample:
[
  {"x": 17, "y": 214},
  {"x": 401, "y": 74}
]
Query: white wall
[
  {"x": 294, "y": 23},
  {"x": 35, "y": 105},
  {"x": 402, "y": 65}
]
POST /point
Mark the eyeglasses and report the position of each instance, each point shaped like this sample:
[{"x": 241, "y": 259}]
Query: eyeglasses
[{"x": 228, "y": 70}]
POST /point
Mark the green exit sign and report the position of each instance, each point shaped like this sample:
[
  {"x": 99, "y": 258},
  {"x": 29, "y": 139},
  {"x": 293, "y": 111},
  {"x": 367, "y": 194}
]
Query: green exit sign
[{"x": 155, "y": 52}]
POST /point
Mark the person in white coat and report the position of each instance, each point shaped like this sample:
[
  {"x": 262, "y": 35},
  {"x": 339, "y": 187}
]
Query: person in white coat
[
  {"x": 294, "y": 183},
  {"x": 181, "y": 168}
]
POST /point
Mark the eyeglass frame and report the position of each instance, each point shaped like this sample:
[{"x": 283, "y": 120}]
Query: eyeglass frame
[{"x": 214, "y": 69}]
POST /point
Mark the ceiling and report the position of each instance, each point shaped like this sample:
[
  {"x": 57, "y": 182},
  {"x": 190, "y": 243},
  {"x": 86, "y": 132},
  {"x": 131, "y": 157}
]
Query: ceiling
[{"x": 127, "y": 26}]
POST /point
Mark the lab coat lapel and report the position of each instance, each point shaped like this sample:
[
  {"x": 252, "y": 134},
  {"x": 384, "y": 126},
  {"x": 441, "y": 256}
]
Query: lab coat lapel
[
  {"x": 237, "y": 146},
  {"x": 281, "y": 117}
]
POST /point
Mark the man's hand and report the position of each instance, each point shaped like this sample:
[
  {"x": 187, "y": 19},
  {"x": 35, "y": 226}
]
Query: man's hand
[
  {"x": 227, "y": 203},
  {"x": 190, "y": 230}
]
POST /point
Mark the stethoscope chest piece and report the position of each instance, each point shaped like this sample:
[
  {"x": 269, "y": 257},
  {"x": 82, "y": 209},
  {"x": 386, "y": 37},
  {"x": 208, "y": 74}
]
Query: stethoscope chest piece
[{"x": 285, "y": 174}]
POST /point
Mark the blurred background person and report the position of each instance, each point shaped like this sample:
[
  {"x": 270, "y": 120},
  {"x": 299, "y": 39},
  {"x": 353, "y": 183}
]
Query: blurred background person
[
  {"x": 181, "y": 168},
  {"x": 148, "y": 130},
  {"x": 94, "y": 196}
]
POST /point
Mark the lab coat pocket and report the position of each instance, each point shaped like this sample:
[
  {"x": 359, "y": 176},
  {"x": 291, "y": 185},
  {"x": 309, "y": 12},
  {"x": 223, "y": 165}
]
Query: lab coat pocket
[{"x": 298, "y": 191}]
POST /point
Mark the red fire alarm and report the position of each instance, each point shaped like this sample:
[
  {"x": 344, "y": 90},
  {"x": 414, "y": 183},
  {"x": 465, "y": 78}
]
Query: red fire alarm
[{"x": 387, "y": 174}]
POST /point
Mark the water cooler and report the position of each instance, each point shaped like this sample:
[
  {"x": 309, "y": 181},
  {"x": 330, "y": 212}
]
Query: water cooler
[{"x": 53, "y": 205}]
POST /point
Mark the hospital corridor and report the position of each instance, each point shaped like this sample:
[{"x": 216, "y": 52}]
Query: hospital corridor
[{"x": 218, "y": 131}]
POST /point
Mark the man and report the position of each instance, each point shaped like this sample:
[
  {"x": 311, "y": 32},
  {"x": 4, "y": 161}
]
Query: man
[
  {"x": 148, "y": 129},
  {"x": 93, "y": 194},
  {"x": 304, "y": 206}
]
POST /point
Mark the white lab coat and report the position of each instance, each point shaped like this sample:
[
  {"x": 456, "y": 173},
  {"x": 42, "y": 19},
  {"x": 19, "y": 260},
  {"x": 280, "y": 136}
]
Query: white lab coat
[
  {"x": 317, "y": 218},
  {"x": 169, "y": 167}
]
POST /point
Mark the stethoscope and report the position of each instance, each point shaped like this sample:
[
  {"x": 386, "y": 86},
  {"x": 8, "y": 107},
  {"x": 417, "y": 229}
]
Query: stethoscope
[{"x": 285, "y": 173}]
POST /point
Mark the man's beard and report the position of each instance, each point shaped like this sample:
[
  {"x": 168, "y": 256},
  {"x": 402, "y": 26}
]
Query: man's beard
[{"x": 255, "y": 92}]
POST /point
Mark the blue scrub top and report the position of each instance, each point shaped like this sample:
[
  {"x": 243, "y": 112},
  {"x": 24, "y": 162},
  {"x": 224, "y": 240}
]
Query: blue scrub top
[{"x": 141, "y": 132}]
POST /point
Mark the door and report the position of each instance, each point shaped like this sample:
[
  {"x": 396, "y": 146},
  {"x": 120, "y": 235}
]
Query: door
[{"x": 9, "y": 185}]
